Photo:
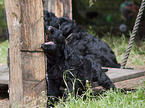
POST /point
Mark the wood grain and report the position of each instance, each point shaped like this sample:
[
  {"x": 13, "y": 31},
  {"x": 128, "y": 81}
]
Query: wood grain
[
  {"x": 25, "y": 24},
  {"x": 59, "y": 7}
]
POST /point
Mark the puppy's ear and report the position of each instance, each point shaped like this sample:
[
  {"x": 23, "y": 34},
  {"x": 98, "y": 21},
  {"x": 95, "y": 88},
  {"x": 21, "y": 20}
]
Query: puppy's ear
[{"x": 64, "y": 19}]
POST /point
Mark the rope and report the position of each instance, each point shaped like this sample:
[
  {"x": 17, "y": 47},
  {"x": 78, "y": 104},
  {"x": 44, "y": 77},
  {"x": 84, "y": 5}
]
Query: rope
[{"x": 134, "y": 31}]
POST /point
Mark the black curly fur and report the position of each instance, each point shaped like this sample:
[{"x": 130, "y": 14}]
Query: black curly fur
[
  {"x": 68, "y": 46},
  {"x": 82, "y": 41},
  {"x": 60, "y": 57}
]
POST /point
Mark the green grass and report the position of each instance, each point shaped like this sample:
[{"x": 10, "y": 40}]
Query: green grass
[
  {"x": 3, "y": 44},
  {"x": 109, "y": 99},
  {"x": 3, "y": 51},
  {"x": 119, "y": 45},
  {"x": 2, "y": 2},
  {"x": 3, "y": 24}
]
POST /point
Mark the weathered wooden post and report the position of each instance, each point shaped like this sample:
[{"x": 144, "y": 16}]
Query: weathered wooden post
[
  {"x": 27, "y": 63},
  {"x": 59, "y": 7}
]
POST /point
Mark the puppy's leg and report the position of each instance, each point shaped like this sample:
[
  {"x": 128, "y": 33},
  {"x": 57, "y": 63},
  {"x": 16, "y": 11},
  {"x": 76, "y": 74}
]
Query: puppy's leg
[
  {"x": 74, "y": 87},
  {"x": 52, "y": 92},
  {"x": 101, "y": 77},
  {"x": 104, "y": 81}
]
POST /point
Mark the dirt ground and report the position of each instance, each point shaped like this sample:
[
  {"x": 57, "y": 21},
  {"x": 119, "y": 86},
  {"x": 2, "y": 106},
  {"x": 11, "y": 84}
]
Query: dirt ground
[{"x": 4, "y": 100}]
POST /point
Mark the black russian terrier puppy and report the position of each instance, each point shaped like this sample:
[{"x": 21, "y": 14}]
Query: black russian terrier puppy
[
  {"x": 80, "y": 40},
  {"x": 61, "y": 57}
]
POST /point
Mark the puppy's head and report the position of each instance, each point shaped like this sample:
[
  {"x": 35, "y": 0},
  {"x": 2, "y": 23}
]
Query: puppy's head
[
  {"x": 50, "y": 20},
  {"x": 63, "y": 23},
  {"x": 55, "y": 43},
  {"x": 66, "y": 25}
]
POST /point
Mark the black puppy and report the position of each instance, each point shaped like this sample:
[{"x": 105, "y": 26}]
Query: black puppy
[
  {"x": 82, "y": 41},
  {"x": 60, "y": 57}
]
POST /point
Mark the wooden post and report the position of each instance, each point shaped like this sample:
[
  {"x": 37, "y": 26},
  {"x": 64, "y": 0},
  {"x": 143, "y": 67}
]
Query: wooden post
[
  {"x": 59, "y": 7},
  {"x": 27, "y": 63}
]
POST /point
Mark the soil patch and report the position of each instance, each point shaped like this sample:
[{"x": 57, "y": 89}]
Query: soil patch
[{"x": 4, "y": 96}]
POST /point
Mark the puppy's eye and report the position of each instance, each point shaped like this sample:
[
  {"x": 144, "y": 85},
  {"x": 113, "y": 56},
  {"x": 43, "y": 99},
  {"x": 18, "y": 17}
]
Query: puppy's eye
[{"x": 50, "y": 29}]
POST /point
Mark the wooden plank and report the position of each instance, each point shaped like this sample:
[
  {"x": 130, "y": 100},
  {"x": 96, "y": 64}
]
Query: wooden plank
[
  {"x": 116, "y": 74},
  {"x": 4, "y": 74},
  {"x": 59, "y": 7},
  {"x": 26, "y": 29}
]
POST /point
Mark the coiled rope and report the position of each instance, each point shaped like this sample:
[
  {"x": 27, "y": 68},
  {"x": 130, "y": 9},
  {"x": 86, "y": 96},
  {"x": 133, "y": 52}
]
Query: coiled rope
[{"x": 134, "y": 31}]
